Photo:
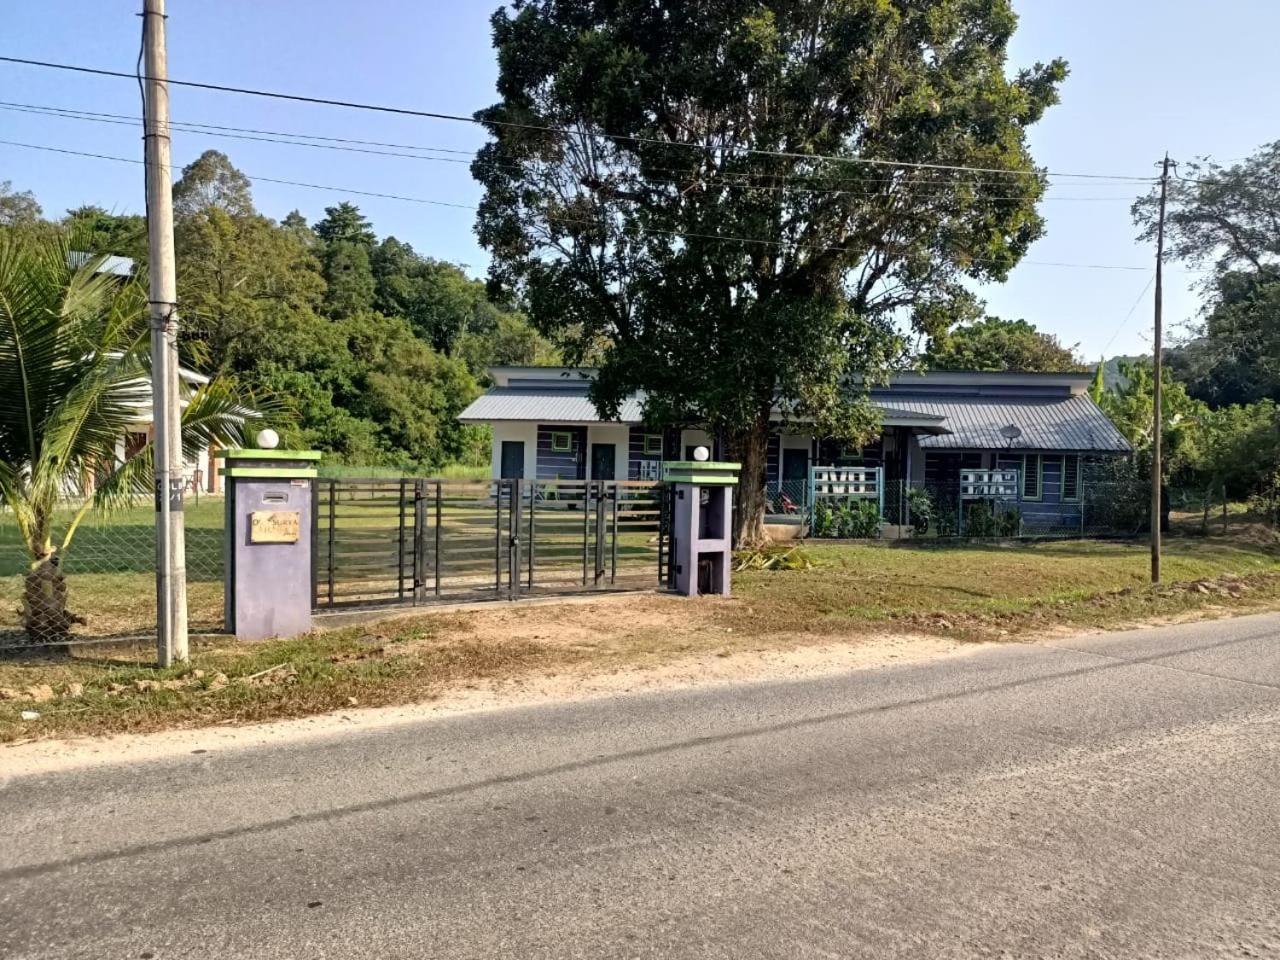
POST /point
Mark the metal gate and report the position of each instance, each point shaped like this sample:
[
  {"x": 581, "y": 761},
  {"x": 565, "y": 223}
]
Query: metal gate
[{"x": 415, "y": 541}]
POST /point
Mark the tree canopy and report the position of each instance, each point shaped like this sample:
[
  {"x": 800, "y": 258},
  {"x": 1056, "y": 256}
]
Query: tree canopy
[
  {"x": 1226, "y": 218},
  {"x": 377, "y": 348},
  {"x": 738, "y": 205},
  {"x": 996, "y": 344}
]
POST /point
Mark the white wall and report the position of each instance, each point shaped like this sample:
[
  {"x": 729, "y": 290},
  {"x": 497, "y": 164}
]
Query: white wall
[
  {"x": 525, "y": 432},
  {"x": 618, "y": 434}
]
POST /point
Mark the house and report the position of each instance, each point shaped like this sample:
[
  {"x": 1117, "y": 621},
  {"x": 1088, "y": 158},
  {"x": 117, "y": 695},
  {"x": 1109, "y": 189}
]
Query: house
[
  {"x": 199, "y": 472},
  {"x": 938, "y": 429}
]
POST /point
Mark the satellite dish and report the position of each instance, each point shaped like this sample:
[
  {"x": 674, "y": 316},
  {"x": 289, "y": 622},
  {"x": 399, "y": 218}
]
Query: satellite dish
[
  {"x": 701, "y": 454},
  {"x": 1011, "y": 433}
]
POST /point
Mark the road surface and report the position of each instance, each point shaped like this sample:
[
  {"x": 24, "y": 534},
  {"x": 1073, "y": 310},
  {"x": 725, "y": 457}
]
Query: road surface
[{"x": 1102, "y": 797}]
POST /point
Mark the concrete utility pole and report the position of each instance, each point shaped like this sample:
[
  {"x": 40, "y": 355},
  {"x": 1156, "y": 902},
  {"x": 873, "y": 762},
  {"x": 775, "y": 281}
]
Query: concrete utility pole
[
  {"x": 1158, "y": 391},
  {"x": 171, "y": 566}
]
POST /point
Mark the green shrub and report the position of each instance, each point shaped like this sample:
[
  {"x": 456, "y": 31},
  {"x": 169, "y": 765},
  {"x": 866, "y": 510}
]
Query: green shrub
[
  {"x": 823, "y": 521},
  {"x": 858, "y": 520},
  {"x": 1010, "y": 523},
  {"x": 981, "y": 520}
]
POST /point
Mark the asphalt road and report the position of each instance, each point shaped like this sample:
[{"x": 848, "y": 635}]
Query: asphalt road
[{"x": 1115, "y": 797}]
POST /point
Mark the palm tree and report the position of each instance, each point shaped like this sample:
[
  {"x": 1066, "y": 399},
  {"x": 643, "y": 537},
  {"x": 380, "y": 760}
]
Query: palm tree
[{"x": 74, "y": 374}]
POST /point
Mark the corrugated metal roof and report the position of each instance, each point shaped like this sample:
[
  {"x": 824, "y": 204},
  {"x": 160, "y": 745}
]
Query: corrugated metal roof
[
  {"x": 1069, "y": 423},
  {"x": 554, "y": 405},
  {"x": 1047, "y": 423}
]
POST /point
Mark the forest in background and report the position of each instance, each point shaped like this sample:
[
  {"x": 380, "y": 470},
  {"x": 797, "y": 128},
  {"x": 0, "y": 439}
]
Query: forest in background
[{"x": 372, "y": 347}]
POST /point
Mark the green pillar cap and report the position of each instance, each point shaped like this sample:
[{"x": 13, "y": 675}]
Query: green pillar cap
[
  {"x": 706, "y": 473},
  {"x": 268, "y": 464}
]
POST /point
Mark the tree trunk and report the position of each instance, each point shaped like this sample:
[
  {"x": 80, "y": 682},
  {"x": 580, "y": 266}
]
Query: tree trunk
[
  {"x": 751, "y": 447},
  {"x": 44, "y": 596}
]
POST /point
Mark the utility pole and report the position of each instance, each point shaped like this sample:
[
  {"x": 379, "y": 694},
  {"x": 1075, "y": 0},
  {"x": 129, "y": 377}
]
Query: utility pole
[
  {"x": 1157, "y": 417},
  {"x": 171, "y": 566}
]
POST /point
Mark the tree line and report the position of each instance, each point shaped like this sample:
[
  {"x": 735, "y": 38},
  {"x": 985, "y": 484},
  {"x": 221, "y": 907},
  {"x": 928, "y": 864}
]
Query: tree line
[{"x": 369, "y": 349}]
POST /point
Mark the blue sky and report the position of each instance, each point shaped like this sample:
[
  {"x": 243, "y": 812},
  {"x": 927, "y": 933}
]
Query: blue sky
[{"x": 1146, "y": 75}]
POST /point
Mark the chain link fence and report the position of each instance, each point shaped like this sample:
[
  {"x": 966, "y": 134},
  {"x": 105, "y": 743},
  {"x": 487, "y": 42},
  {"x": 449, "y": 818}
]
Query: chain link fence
[{"x": 106, "y": 576}]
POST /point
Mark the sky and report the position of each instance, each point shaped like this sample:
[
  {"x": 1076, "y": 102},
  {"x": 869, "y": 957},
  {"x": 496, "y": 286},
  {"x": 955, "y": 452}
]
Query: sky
[{"x": 1146, "y": 76}]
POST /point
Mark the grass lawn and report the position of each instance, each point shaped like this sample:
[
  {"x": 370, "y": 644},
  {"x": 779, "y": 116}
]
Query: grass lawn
[
  {"x": 971, "y": 593},
  {"x": 110, "y": 568}
]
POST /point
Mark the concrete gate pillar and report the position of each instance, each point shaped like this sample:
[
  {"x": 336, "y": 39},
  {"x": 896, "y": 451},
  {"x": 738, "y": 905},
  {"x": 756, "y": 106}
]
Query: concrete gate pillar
[
  {"x": 268, "y": 551},
  {"x": 702, "y": 524}
]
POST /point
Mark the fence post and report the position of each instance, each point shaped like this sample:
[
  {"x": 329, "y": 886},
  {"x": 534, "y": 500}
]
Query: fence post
[
  {"x": 315, "y": 541},
  {"x": 600, "y": 532},
  {"x": 880, "y": 498},
  {"x": 439, "y": 558},
  {"x": 513, "y": 542},
  {"x": 400, "y": 541},
  {"x": 333, "y": 494},
  {"x": 613, "y": 537},
  {"x": 533, "y": 539},
  {"x": 586, "y": 526},
  {"x": 419, "y": 542},
  {"x": 813, "y": 497},
  {"x": 498, "y": 486}
]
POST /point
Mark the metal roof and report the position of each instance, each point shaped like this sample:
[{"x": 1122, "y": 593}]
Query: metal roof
[
  {"x": 1048, "y": 423},
  {"x": 555, "y": 404},
  {"x": 1066, "y": 423}
]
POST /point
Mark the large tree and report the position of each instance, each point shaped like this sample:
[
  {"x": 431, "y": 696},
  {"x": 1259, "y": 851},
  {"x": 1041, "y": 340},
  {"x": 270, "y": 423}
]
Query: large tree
[
  {"x": 17, "y": 207},
  {"x": 741, "y": 203},
  {"x": 996, "y": 344},
  {"x": 1228, "y": 219}
]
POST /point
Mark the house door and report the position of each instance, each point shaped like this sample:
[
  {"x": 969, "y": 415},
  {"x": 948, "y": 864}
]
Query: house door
[
  {"x": 795, "y": 474},
  {"x": 512, "y": 459},
  {"x": 603, "y": 461}
]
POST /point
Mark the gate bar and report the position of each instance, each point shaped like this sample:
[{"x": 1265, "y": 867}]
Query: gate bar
[
  {"x": 497, "y": 537},
  {"x": 513, "y": 543},
  {"x": 333, "y": 493},
  {"x": 400, "y": 552},
  {"x": 533, "y": 537},
  {"x": 439, "y": 560}
]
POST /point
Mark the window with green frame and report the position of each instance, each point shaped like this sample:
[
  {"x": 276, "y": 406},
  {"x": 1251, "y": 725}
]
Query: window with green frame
[
  {"x": 1032, "y": 476},
  {"x": 1071, "y": 478},
  {"x": 561, "y": 441},
  {"x": 653, "y": 444}
]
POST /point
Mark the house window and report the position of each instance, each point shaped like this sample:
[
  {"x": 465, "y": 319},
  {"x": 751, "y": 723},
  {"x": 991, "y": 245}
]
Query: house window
[
  {"x": 561, "y": 442},
  {"x": 653, "y": 444},
  {"x": 1071, "y": 478},
  {"x": 1032, "y": 476}
]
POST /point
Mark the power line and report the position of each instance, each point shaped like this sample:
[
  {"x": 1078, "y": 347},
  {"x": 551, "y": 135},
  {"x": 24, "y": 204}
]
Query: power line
[
  {"x": 435, "y": 115},
  {"x": 349, "y": 145},
  {"x": 1129, "y": 316},
  {"x": 461, "y": 206}
]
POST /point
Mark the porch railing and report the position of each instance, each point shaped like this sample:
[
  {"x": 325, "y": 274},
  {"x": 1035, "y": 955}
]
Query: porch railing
[{"x": 989, "y": 484}]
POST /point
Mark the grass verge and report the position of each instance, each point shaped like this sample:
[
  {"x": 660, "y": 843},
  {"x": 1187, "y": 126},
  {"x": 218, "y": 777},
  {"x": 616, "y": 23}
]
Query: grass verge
[{"x": 968, "y": 593}]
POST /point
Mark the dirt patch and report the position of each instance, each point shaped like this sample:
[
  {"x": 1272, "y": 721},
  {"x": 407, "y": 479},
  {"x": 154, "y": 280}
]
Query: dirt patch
[{"x": 577, "y": 683}]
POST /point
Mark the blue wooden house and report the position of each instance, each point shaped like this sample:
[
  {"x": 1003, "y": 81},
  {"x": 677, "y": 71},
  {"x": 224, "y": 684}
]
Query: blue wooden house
[{"x": 941, "y": 431}]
